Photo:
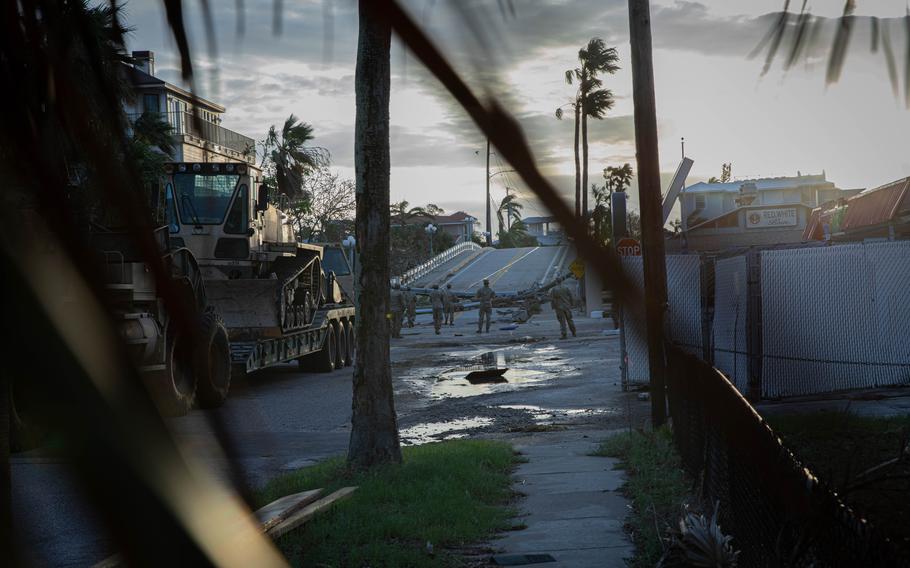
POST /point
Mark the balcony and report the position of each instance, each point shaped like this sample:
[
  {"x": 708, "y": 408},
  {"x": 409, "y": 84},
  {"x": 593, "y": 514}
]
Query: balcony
[{"x": 185, "y": 124}]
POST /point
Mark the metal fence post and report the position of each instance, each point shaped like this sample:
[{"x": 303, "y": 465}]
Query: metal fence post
[{"x": 754, "y": 325}]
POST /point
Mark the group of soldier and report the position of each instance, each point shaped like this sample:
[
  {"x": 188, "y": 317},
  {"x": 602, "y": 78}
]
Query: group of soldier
[{"x": 403, "y": 307}]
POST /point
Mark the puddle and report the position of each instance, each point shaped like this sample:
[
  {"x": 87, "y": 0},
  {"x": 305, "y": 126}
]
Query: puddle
[
  {"x": 490, "y": 372},
  {"x": 549, "y": 415},
  {"x": 436, "y": 431}
]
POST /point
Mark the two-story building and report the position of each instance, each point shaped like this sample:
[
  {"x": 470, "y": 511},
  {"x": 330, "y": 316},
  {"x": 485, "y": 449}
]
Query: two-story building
[
  {"x": 546, "y": 230},
  {"x": 763, "y": 211},
  {"x": 196, "y": 138}
]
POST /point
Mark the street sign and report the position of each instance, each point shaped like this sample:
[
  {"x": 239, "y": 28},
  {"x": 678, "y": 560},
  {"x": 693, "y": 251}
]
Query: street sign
[
  {"x": 578, "y": 268},
  {"x": 628, "y": 247}
]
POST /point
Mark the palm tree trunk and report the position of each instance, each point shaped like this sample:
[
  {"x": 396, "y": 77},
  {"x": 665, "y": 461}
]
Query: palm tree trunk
[
  {"x": 374, "y": 424},
  {"x": 584, "y": 165},
  {"x": 577, "y": 163}
]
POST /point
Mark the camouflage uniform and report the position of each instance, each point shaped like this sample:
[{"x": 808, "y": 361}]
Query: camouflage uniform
[
  {"x": 396, "y": 309},
  {"x": 485, "y": 296},
  {"x": 561, "y": 300},
  {"x": 437, "y": 300},
  {"x": 411, "y": 308},
  {"x": 449, "y": 301}
]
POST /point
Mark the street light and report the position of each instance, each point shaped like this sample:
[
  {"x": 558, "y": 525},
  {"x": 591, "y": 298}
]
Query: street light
[
  {"x": 431, "y": 230},
  {"x": 348, "y": 243}
]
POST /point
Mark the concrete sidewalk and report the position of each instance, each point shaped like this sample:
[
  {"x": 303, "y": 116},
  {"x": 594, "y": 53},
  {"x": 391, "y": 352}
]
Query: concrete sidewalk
[{"x": 573, "y": 509}]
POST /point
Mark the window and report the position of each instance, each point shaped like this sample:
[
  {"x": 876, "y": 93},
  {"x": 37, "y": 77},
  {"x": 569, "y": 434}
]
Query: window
[
  {"x": 150, "y": 104},
  {"x": 700, "y": 201},
  {"x": 170, "y": 210},
  {"x": 238, "y": 220},
  {"x": 204, "y": 199}
]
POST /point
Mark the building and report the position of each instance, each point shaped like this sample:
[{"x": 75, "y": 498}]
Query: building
[
  {"x": 459, "y": 225},
  {"x": 764, "y": 211},
  {"x": 197, "y": 138},
  {"x": 546, "y": 230},
  {"x": 879, "y": 213}
]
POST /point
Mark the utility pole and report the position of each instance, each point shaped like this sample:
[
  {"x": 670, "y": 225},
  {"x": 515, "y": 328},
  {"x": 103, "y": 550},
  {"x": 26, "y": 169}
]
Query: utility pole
[
  {"x": 489, "y": 224},
  {"x": 654, "y": 261}
]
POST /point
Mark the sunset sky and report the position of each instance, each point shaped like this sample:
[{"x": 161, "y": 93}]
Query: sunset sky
[{"x": 708, "y": 90}]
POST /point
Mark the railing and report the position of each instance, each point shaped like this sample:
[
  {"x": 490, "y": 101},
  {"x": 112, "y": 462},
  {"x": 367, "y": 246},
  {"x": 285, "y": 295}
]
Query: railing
[
  {"x": 445, "y": 256},
  {"x": 185, "y": 123}
]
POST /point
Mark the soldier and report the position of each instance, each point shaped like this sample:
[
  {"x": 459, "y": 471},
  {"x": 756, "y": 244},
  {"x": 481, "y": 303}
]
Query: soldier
[
  {"x": 485, "y": 296},
  {"x": 411, "y": 307},
  {"x": 437, "y": 300},
  {"x": 396, "y": 309},
  {"x": 561, "y": 300},
  {"x": 450, "y": 301}
]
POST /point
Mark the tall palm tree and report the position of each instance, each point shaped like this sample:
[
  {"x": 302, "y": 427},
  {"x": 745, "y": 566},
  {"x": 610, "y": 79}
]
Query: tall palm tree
[
  {"x": 404, "y": 213},
  {"x": 594, "y": 101},
  {"x": 576, "y": 108},
  {"x": 291, "y": 156}
]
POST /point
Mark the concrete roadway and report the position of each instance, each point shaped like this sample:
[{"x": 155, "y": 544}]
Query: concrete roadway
[
  {"x": 508, "y": 269},
  {"x": 283, "y": 419}
]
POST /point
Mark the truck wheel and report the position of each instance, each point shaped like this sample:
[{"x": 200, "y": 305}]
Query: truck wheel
[
  {"x": 174, "y": 388},
  {"x": 213, "y": 362},
  {"x": 325, "y": 358},
  {"x": 352, "y": 342},
  {"x": 341, "y": 351}
]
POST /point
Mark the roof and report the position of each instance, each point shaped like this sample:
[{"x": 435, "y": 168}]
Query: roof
[
  {"x": 457, "y": 217},
  {"x": 538, "y": 220},
  {"x": 761, "y": 184},
  {"x": 141, "y": 80},
  {"x": 877, "y": 206}
]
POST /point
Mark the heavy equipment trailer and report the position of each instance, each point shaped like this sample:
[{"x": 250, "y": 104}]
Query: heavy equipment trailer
[{"x": 278, "y": 302}]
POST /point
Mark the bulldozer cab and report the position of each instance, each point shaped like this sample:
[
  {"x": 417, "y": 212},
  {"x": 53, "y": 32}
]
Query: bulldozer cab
[{"x": 218, "y": 211}]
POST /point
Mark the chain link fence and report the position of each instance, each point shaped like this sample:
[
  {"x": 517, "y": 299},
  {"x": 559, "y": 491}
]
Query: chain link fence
[{"x": 778, "y": 513}]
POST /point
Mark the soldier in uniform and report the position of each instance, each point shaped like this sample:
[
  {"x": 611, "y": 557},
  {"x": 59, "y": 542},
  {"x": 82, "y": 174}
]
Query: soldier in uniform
[
  {"x": 561, "y": 300},
  {"x": 396, "y": 309},
  {"x": 411, "y": 307},
  {"x": 450, "y": 301},
  {"x": 485, "y": 296},
  {"x": 437, "y": 300}
]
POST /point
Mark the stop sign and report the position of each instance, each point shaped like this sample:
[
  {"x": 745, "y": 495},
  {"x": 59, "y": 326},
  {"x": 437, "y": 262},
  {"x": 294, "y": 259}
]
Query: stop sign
[{"x": 628, "y": 247}]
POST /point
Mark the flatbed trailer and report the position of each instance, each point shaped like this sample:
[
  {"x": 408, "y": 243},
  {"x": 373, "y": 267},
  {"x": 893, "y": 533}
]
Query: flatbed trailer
[{"x": 326, "y": 344}]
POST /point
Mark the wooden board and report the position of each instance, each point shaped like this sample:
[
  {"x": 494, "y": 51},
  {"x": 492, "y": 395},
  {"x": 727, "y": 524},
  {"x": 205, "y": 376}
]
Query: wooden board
[
  {"x": 281, "y": 509},
  {"x": 306, "y": 513}
]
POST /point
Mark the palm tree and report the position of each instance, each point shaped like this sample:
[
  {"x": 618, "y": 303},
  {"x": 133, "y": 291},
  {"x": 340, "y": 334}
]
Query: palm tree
[
  {"x": 595, "y": 59},
  {"x": 374, "y": 425},
  {"x": 559, "y": 114},
  {"x": 290, "y": 155},
  {"x": 509, "y": 210},
  {"x": 404, "y": 213}
]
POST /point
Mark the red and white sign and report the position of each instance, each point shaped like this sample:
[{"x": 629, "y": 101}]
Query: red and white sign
[{"x": 628, "y": 247}]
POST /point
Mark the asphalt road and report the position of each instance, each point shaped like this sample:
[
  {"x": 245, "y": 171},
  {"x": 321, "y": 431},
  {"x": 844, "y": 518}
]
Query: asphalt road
[
  {"x": 507, "y": 269},
  {"x": 284, "y": 419}
]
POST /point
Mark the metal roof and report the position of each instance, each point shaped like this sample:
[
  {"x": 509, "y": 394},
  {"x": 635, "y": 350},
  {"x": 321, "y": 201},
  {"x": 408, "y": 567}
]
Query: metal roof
[
  {"x": 761, "y": 184},
  {"x": 877, "y": 206}
]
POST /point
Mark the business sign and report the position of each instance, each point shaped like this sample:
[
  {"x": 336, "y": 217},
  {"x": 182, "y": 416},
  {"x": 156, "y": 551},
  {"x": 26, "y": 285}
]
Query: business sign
[
  {"x": 577, "y": 268},
  {"x": 628, "y": 247},
  {"x": 771, "y": 218}
]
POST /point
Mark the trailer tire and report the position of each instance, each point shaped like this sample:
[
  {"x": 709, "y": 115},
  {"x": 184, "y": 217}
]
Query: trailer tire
[
  {"x": 212, "y": 362},
  {"x": 174, "y": 388},
  {"x": 324, "y": 359},
  {"x": 341, "y": 349},
  {"x": 351, "y": 343}
]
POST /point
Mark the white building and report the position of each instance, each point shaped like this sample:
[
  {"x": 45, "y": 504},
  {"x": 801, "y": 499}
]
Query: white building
[
  {"x": 760, "y": 211},
  {"x": 546, "y": 230}
]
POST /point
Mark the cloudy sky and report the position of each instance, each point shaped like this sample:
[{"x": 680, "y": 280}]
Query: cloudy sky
[{"x": 708, "y": 89}]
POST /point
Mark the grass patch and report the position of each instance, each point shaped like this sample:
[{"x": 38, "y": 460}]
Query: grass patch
[
  {"x": 838, "y": 446},
  {"x": 656, "y": 486},
  {"x": 449, "y": 494}
]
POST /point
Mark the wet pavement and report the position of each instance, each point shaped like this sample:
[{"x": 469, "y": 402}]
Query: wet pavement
[{"x": 284, "y": 419}]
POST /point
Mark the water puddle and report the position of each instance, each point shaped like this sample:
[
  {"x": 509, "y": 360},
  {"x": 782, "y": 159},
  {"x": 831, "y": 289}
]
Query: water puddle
[
  {"x": 489, "y": 372},
  {"x": 437, "y": 431},
  {"x": 542, "y": 415}
]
